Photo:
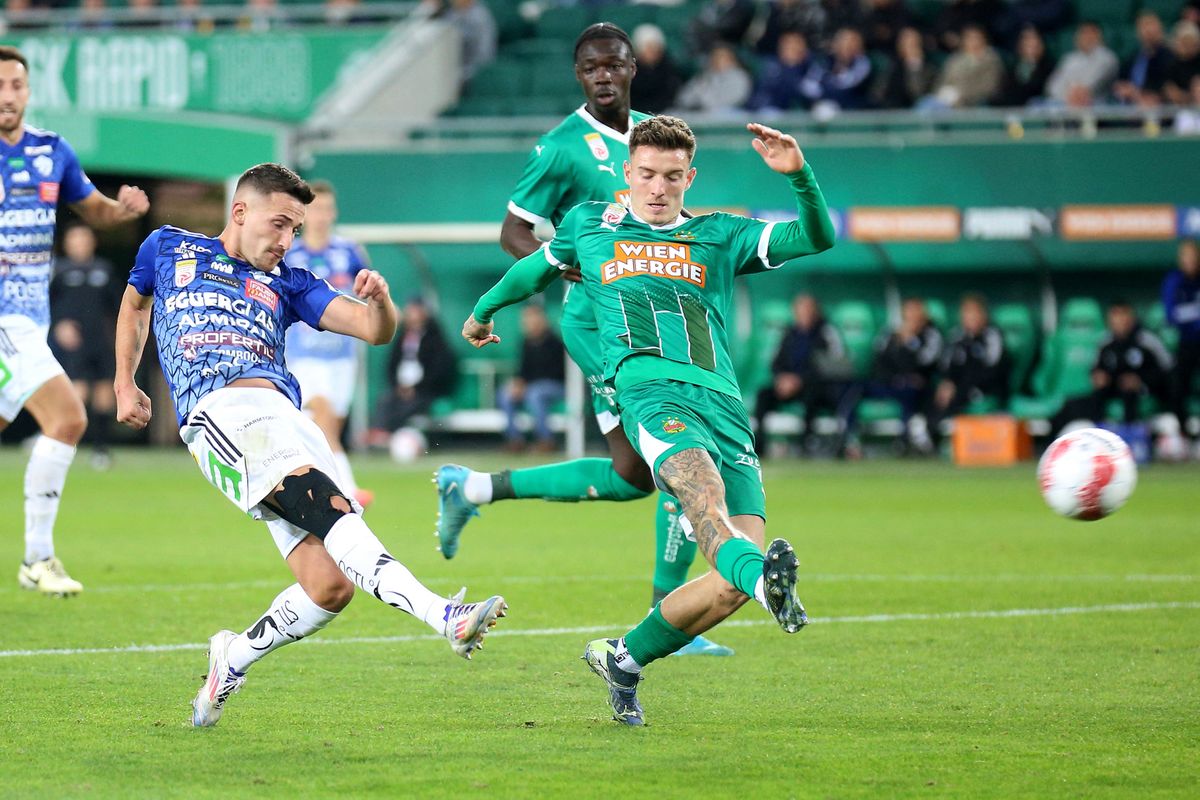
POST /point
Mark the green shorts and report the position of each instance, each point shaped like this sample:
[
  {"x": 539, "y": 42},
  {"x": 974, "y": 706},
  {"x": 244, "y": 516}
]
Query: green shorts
[
  {"x": 663, "y": 417},
  {"x": 583, "y": 345}
]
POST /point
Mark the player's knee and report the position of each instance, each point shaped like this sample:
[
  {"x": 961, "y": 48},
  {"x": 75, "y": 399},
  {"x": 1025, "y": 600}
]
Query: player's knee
[
  {"x": 333, "y": 594},
  {"x": 311, "y": 502},
  {"x": 68, "y": 428}
]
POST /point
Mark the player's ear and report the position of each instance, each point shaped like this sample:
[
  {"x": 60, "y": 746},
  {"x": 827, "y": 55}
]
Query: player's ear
[
  {"x": 691, "y": 176},
  {"x": 238, "y": 212},
  {"x": 628, "y": 171}
]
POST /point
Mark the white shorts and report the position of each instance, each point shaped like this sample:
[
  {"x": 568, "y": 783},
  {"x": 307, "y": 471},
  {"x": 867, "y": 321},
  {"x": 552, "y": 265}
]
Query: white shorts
[
  {"x": 246, "y": 441},
  {"x": 333, "y": 379},
  {"x": 26, "y": 362}
]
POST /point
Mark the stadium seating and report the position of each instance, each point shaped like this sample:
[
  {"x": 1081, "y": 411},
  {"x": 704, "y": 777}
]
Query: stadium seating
[
  {"x": 1068, "y": 356},
  {"x": 855, "y": 321},
  {"x": 1020, "y": 339}
]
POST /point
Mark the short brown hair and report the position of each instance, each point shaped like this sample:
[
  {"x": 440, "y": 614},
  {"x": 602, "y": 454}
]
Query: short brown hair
[
  {"x": 271, "y": 178},
  {"x": 663, "y": 133},
  {"x": 10, "y": 53}
]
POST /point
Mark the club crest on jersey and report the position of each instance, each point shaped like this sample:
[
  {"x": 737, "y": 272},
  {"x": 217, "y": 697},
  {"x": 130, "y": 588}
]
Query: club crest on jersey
[
  {"x": 185, "y": 272},
  {"x": 685, "y": 236},
  {"x": 653, "y": 259},
  {"x": 260, "y": 292},
  {"x": 44, "y": 165},
  {"x": 48, "y": 191},
  {"x": 597, "y": 145},
  {"x": 673, "y": 425},
  {"x": 613, "y": 214}
]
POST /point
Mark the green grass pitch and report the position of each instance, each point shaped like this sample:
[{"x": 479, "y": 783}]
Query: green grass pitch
[{"x": 966, "y": 643}]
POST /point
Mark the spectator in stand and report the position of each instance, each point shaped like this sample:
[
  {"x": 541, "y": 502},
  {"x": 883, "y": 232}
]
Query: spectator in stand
[
  {"x": 84, "y": 300},
  {"x": 1181, "y": 301},
  {"x": 1026, "y": 79},
  {"x": 843, "y": 14},
  {"x": 16, "y": 15},
  {"x": 721, "y": 22},
  {"x": 1187, "y": 121},
  {"x": 142, "y": 14},
  {"x": 975, "y": 366},
  {"x": 780, "y": 78},
  {"x": 909, "y": 75},
  {"x": 1132, "y": 363},
  {"x": 786, "y": 16},
  {"x": 722, "y": 87},
  {"x": 971, "y": 77},
  {"x": 843, "y": 80},
  {"x": 1144, "y": 76},
  {"x": 480, "y": 37},
  {"x": 884, "y": 21},
  {"x": 1084, "y": 76},
  {"x": 906, "y": 359},
  {"x": 958, "y": 14},
  {"x": 538, "y": 384},
  {"x": 658, "y": 79},
  {"x": 1185, "y": 44},
  {"x": 420, "y": 369},
  {"x": 803, "y": 369}
]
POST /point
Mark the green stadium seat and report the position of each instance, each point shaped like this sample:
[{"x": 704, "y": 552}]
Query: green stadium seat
[
  {"x": 1154, "y": 317},
  {"x": 855, "y": 321},
  {"x": 565, "y": 22},
  {"x": 938, "y": 313},
  {"x": 627, "y": 17},
  {"x": 1168, "y": 10},
  {"x": 509, "y": 22},
  {"x": 555, "y": 77},
  {"x": 1081, "y": 315},
  {"x": 505, "y": 77},
  {"x": 1067, "y": 360},
  {"x": 1020, "y": 339},
  {"x": 1119, "y": 12}
]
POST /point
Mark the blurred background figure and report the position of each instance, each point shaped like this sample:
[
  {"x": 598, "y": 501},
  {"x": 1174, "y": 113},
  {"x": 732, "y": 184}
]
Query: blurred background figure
[
  {"x": 480, "y": 36},
  {"x": 1181, "y": 302},
  {"x": 909, "y": 75},
  {"x": 780, "y": 77},
  {"x": 84, "y": 298},
  {"x": 723, "y": 85},
  {"x": 658, "y": 78},
  {"x": 420, "y": 369},
  {"x": 1029, "y": 71},
  {"x": 1185, "y": 47},
  {"x": 1143, "y": 78},
  {"x": 842, "y": 82},
  {"x": 721, "y": 22},
  {"x": 1084, "y": 76},
  {"x": 803, "y": 370},
  {"x": 538, "y": 384},
  {"x": 975, "y": 366},
  {"x": 1132, "y": 363},
  {"x": 971, "y": 77},
  {"x": 806, "y": 17}
]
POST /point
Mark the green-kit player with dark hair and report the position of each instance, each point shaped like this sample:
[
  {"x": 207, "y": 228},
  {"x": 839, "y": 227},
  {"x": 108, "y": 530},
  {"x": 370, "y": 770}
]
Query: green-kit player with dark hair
[
  {"x": 580, "y": 160},
  {"x": 661, "y": 285}
]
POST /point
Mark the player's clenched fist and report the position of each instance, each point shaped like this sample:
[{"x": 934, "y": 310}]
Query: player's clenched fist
[
  {"x": 133, "y": 407},
  {"x": 479, "y": 333},
  {"x": 133, "y": 201},
  {"x": 370, "y": 285}
]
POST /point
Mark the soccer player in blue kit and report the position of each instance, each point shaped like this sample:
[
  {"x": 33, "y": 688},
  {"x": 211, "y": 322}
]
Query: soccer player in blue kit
[
  {"x": 220, "y": 308},
  {"x": 37, "y": 170},
  {"x": 326, "y": 364}
]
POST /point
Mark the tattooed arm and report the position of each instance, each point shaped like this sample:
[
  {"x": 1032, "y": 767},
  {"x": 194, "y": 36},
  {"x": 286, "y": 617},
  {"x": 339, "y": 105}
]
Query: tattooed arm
[
  {"x": 693, "y": 478},
  {"x": 133, "y": 326}
]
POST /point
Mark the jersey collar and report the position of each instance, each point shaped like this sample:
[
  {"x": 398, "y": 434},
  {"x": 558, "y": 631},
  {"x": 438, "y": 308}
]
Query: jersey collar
[
  {"x": 665, "y": 227},
  {"x": 612, "y": 133}
]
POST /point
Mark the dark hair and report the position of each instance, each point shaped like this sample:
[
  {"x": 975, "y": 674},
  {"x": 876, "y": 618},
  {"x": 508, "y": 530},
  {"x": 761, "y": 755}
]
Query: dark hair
[
  {"x": 10, "y": 53},
  {"x": 271, "y": 178},
  {"x": 664, "y": 133},
  {"x": 974, "y": 298},
  {"x": 1120, "y": 302},
  {"x": 602, "y": 30},
  {"x": 322, "y": 186}
]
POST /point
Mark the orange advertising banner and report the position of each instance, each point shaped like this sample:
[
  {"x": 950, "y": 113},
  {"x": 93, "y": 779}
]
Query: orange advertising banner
[
  {"x": 905, "y": 224},
  {"x": 1114, "y": 223}
]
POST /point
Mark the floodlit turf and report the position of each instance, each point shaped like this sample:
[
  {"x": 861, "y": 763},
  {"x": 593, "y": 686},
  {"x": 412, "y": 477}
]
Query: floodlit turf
[{"x": 898, "y": 689}]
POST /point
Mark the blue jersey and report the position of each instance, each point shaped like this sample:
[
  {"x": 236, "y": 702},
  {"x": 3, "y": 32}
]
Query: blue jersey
[
  {"x": 217, "y": 319},
  {"x": 338, "y": 263},
  {"x": 35, "y": 173},
  {"x": 1181, "y": 301}
]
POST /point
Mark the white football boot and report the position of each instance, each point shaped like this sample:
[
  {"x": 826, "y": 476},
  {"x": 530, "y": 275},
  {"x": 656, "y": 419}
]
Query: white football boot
[
  {"x": 221, "y": 682},
  {"x": 48, "y": 576},
  {"x": 467, "y": 624}
]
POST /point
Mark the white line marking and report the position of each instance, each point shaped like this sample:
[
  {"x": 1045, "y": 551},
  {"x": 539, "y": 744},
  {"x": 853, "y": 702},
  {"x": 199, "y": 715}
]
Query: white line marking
[{"x": 1114, "y": 608}]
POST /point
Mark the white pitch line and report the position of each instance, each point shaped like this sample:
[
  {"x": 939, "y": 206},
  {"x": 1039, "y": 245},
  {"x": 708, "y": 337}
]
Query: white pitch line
[{"x": 1008, "y": 613}]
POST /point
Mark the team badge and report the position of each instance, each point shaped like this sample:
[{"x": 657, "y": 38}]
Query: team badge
[
  {"x": 185, "y": 272},
  {"x": 44, "y": 165},
  {"x": 597, "y": 145},
  {"x": 48, "y": 191},
  {"x": 613, "y": 214},
  {"x": 673, "y": 425},
  {"x": 686, "y": 236},
  {"x": 260, "y": 292}
]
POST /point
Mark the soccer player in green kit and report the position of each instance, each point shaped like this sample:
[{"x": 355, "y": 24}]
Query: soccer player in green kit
[
  {"x": 661, "y": 285},
  {"x": 580, "y": 160}
]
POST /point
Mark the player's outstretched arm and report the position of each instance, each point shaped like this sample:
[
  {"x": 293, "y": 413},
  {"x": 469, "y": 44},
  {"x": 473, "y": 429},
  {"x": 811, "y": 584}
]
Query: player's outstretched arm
[
  {"x": 100, "y": 211},
  {"x": 133, "y": 326},
  {"x": 812, "y": 231},
  {"x": 372, "y": 317},
  {"x": 779, "y": 151},
  {"x": 524, "y": 279}
]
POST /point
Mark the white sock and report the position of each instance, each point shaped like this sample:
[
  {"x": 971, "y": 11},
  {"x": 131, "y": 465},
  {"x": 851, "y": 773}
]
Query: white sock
[
  {"x": 345, "y": 476},
  {"x": 45, "y": 476},
  {"x": 624, "y": 660},
  {"x": 478, "y": 487},
  {"x": 292, "y": 616},
  {"x": 760, "y": 593},
  {"x": 372, "y": 568}
]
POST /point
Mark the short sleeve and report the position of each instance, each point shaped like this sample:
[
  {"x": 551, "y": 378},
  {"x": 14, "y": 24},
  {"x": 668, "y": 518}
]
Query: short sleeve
[
  {"x": 311, "y": 297},
  {"x": 359, "y": 260},
  {"x": 542, "y": 185},
  {"x": 748, "y": 242},
  {"x": 142, "y": 276},
  {"x": 561, "y": 251},
  {"x": 76, "y": 185}
]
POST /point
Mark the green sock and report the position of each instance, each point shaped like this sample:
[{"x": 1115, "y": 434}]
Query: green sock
[
  {"x": 570, "y": 481},
  {"x": 673, "y": 552},
  {"x": 741, "y": 563},
  {"x": 654, "y": 638}
]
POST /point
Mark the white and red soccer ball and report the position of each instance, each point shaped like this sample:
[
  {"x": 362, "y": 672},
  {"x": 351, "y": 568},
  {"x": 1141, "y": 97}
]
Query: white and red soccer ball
[{"x": 1087, "y": 474}]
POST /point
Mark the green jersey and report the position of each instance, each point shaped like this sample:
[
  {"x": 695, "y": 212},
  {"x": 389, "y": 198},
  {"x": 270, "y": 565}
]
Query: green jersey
[
  {"x": 581, "y": 160},
  {"x": 662, "y": 293}
]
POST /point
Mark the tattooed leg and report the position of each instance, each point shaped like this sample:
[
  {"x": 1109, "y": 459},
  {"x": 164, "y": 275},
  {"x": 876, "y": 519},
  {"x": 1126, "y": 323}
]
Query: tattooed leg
[{"x": 694, "y": 479}]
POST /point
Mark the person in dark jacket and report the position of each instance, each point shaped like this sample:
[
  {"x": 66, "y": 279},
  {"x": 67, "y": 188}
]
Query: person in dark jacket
[
  {"x": 799, "y": 369},
  {"x": 1181, "y": 301},
  {"x": 538, "y": 384},
  {"x": 909, "y": 75},
  {"x": 658, "y": 79},
  {"x": 1143, "y": 77},
  {"x": 780, "y": 78},
  {"x": 421, "y": 368},
  {"x": 1132, "y": 363},
  {"x": 975, "y": 365},
  {"x": 1026, "y": 77}
]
